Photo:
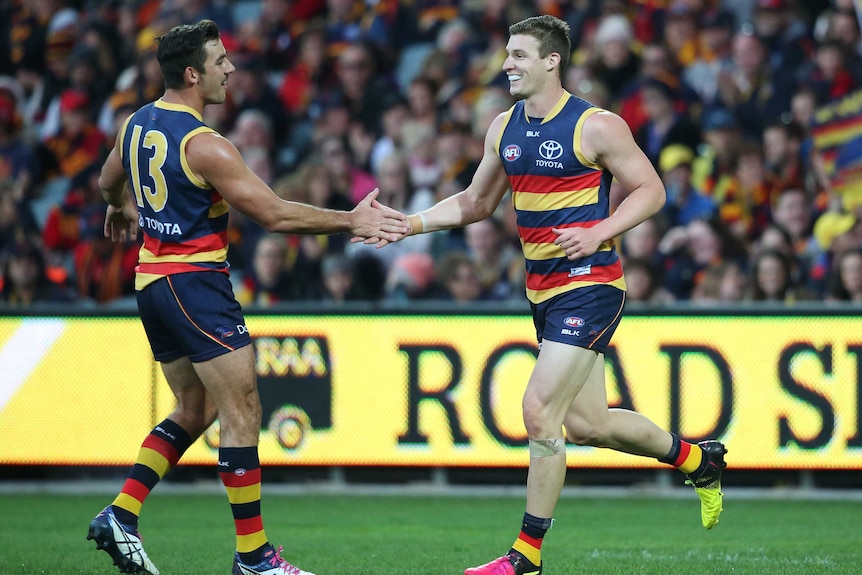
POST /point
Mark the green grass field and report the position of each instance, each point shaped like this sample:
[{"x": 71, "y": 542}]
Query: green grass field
[{"x": 389, "y": 535}]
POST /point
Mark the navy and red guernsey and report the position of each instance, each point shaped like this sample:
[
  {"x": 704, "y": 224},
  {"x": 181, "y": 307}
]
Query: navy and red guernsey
[
  {"x": 183, "y": 219},
  {"x": 555, "y": 186}
]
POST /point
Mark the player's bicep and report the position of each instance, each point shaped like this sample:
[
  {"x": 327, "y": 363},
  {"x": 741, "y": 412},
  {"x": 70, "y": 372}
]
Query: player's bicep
[
  {"x": 112, "y": 176},
  {"x": 220, "y": 164},
  {"x": 489, "y": 181},
  {"x": 607, "y": 140}
]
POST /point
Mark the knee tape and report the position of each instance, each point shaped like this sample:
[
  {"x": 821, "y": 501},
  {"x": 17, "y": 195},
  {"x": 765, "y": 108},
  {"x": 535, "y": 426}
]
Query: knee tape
[{"x": 547, "y": 447}]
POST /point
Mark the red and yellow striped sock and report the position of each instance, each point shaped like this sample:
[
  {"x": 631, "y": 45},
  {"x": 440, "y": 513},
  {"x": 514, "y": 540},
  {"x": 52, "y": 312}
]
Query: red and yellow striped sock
[
  {"x": 529, "y": 541},
  {"x": 685, "y": 456},
  {"x": 159, "y": 453},
  {"x": 529, "y": 547},
  {"x": 239, "y": 469}
]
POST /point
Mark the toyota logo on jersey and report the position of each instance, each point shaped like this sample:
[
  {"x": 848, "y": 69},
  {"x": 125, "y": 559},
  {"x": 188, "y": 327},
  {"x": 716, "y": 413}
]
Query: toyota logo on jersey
[{"x": 550, "y": 149}]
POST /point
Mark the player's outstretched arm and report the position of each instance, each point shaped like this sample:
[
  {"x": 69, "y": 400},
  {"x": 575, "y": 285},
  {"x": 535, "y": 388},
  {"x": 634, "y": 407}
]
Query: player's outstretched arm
[
  {"x": 476, "y": 202},
  {"x": 216, "y": 161}
]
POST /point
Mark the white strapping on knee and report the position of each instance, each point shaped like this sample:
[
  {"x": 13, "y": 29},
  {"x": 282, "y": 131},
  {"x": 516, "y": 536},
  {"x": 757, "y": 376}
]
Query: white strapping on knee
[{"x": 547, "y": 447}]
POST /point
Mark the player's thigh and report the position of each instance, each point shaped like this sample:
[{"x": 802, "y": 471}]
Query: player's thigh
[
  {"x": 560, "y": 373},
  {"x": 588, "y": 411},
  {"x": 231, "y": 381}
]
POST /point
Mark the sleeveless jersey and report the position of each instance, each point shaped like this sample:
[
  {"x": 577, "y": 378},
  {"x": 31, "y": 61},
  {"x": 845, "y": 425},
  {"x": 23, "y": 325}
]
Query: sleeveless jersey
[
  {"x": 555, "y": 186},
  {"x": 183, "y": 219}
]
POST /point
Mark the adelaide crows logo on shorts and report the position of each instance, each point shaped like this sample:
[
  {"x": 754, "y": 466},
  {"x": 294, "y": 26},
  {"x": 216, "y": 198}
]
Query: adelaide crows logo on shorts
[
  {"x": 224, "y": 332},
  {"x": 512, "y": 152}
]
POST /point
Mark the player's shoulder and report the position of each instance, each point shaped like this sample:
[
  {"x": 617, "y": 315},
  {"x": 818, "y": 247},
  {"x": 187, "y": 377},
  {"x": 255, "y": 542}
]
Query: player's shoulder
[
  {"x": 605, "y": 121},
  {"x": 211, "y": 148}
]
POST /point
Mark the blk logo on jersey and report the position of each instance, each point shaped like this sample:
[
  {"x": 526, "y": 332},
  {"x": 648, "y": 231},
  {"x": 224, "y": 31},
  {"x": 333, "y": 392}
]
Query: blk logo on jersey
[{"x": 512, "y": 152}]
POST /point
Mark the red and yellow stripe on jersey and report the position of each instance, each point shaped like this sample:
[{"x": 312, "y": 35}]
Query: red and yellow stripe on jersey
[
  {"x": 555, "y": 186},
  {"x": 183, "y": 219}
]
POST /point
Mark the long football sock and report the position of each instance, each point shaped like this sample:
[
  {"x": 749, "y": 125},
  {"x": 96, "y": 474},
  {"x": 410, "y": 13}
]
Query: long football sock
[
  {"x": 239, "y": 469},
  {"x": 529, "y": 541},
  {"x": 687, "y": 457},
  {"x": 159, "y": 453}
]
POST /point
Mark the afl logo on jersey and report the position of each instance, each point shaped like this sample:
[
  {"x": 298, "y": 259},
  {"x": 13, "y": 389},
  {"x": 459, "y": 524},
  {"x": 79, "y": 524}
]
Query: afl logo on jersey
[
  {"x": 573, "y": 321},
  {"x": 512, "y": 152}
]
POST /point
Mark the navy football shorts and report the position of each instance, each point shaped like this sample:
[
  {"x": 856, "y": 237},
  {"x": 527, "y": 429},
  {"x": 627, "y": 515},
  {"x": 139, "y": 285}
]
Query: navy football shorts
[
  {"x": 584, "y": 317},
  {"x": 192, "y": 314}
]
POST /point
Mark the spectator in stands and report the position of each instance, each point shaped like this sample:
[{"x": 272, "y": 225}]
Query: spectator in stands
[
  {"x": 85, "y": 77},
  {"x": 273, "y": 32},
  {"x": 658, "y": 71},
  {"x": 422, "y": 101},
  {"x": 842, "y": 25},
  {"x": 751, "y": 90},
  {"x": 303, "y": 80},
  {"x": 458, "y": 279},
  {"x": 498, "y": 262},
  {"x": 268, "y": 281},
  {"x": 410, "y": 277},
  {"x": 714, "y": 55},
  {"x": 60, "y": 43},
  {"x": 398, "y": 191},
  {"x": 16, "y": 220},
  {"x": 23, "y": 281},
  {"x": 793, "y": 211},
  {"x": 663, "y": 126},
  {"x": 643, "y": 282},
  {"x": 828, "y": 74},
  {"x": 684, "y": 202},
  {"x": 771, "y": 279},
  {"x": 721, "y": 282},
  {"x": 348, "y": 179},
  {"x": 420, "y": 151},
  {"x": 846, "y": 277},
  {"x": 785, "y": 37},
  {"x": 19, "y": 162},
  {"x": 395, "y": 115},
  {"x": 251, "y": 90},
  {"x": 338, "y": 279},
  {"x": 680, "y": 32},
  {"x": 362, "y": 88},
  {"x": 693, "y": 248},
  {"x": 104, "y": 270},
  {"x": 349, "y": 21},
  {"x": 712, "y": 169},
  {"x": 79, "y": 142},
  {"x": 642, "y": 241},
  {"x": 137, "y": 84},
  {"x": 612, "y": 58},
  {"x": 782, "y": 154}
]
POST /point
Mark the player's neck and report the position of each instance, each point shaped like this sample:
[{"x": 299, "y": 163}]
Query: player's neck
[
  {"x": 540, "y": 104},
  {"x": 186, "y": 98}
]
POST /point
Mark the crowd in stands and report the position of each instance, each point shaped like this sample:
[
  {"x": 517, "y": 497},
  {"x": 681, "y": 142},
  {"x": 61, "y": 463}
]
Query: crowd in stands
[{"x": 332, "y": 98}]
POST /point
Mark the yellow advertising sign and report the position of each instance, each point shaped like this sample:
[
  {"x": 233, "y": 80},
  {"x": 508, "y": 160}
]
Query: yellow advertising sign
[{"x": 781, "y": 392}]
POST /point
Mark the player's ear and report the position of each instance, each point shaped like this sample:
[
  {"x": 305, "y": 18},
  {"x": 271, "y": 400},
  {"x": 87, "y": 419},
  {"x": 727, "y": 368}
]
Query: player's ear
[
  {"x": 553, "y": 60},
  {"x": 192, "y": 75}
]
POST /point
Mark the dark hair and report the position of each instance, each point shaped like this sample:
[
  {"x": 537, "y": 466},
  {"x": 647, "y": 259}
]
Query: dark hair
[
  {"x": 552, "y": 34},
  {"x": 184, "y": 46}
]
